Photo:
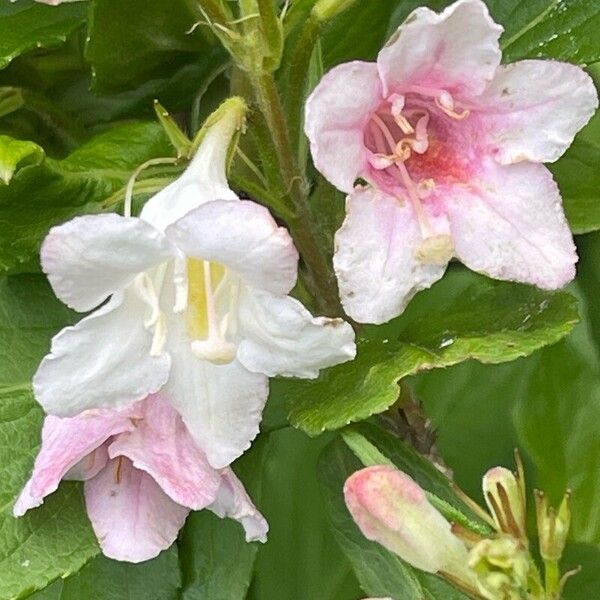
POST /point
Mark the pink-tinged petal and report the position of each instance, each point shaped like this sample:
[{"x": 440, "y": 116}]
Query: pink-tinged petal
[
  {"x": 133, "y": 519},
  {"x": 234, "y": 502},
  {"x": 533, "y": 109},
  {"x": 244, "y": 237},
  {"x": 89, "y": 466},
  {"x": 90, "y": 257},
  {"x": 511, "y": 226},
  {"x": 205, "y": 179},
  {"x": 103, "y": 361},
  {"x": 391, "y": 509},
  {"x": 376, "y": 257},
  {"x": 280, "y": 337},
  {"x": 221, "y": 405},
  {"x": 66, "y": 444},
  {"x": 456, "y": 50},
  {"x": 337, "y": 112},
  {"x": 162, "y": 446}
]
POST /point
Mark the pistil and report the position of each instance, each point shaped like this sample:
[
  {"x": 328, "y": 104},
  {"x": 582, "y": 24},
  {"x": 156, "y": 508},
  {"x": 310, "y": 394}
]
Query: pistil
[{"x": 215, "y": 348}]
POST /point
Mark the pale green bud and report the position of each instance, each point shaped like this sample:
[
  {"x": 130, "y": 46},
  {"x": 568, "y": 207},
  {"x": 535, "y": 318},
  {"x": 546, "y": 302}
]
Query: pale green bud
[
  {"x": 502, "y": 568},
  {"x": 504, "y": 494},
  {"x": 553, "y": 527}
]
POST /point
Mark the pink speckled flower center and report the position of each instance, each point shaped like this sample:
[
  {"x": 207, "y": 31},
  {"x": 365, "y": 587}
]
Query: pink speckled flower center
[{"x": 418, "y": 141}]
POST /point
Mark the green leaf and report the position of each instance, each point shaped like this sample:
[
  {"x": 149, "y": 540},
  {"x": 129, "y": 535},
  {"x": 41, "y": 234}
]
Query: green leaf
[
  {"x": 301, "y": 560},
  {"x": 380, "y": 572},
  {"x": 560, "y": 29},
  {"x": 490, "y": 321},
  {"x": 27, "y": 25},
  {"x": 586, "y": 584},
  {"x": 43, "y": 195},
  {"x": 216, "y": 561},
  {"x": 561, "y": 401},
  {"x": 133, "y": 42},
  {"x": 105, "y": 579},
  {"x": 55, "y": 539},
  {"x": 13, "y": 152}
]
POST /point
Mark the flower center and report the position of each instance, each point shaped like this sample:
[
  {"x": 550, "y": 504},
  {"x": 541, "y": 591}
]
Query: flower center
[
  {"x": 410, "y": 140},
  {"x": 205, "y": 327}
]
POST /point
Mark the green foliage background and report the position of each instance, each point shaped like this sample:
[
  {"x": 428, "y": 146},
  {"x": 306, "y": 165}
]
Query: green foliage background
[{"x": 76, "y": 118}]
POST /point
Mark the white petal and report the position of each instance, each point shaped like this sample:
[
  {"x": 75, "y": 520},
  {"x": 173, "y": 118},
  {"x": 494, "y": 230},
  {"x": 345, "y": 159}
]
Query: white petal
[
  {"x": 456, "y": 50},
  {"x": 337, "y": 113},
  {"x": 280, "y": 337},
  {"x": 533, "y": 109},
  {"x": 378, "y": 272},
  {"x": 220, "y": 404},
  {"x": 234, "y": 502},
  {"x": 103, "y": 361},
  {"x": 90, "y": 257},
  {"x": 244, "y": 237},
  {"x": 133, "y": 519},
  {"x": 513, "y": 227},
  {"x": 204, "y": 180}
]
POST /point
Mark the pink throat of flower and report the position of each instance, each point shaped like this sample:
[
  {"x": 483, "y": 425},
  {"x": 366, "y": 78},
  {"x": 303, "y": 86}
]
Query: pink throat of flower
[{"x": 400, "y": 131}]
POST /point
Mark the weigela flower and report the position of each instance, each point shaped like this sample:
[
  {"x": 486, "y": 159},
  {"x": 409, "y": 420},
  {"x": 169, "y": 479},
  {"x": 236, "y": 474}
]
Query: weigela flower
[
  {"x": 393, "y": 510},
  {"x": 450, "y": 143},
  {"x": 143, "y": 473},
  {"x": 197, "y": 306}
]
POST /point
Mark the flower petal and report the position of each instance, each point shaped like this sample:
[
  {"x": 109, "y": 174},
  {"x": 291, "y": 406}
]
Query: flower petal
[
  {"x": 65, "y": 444},
  {"x": 134, "y": 520},
  {"x": 221, "y": 405},
  {"x": 234, "y": 502},
  {"x": 244, "y": 237},
  {"x": 513, "y": 227},
  {"x": 205, "y": 179},
  {"x": 337, "y": 112},
  {"x": 533, "y": 109},
  {"x": 90, "y": 257},
  {"x": 374, "y": 259},
  {"x": 280, "y": 337},
  {"x": 162, "y": 446},
  {"x": 103, "y": 361},
  {"x": 456, "y": 50}
]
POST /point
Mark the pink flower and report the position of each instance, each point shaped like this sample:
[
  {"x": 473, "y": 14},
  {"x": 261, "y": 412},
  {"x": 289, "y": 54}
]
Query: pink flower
[
  {"x": 450, "y": 143},
  {"x": 143, "y": 474}
]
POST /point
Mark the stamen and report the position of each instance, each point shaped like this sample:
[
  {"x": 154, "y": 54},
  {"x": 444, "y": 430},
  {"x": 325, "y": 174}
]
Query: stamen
[
  {"x": 159, "y": 338},
  {"x": 214, "y": 348},
  {"x": 413, "y": 193},
  {"x": 445, "y": 101},
  {"x": 386, "y": 132},
  {"x": 397, "y": 104},
  {"x": 180, "y": 280},
  {"x": 381, "y": 161},
  {"x": 145, "y": 289},
  {"x": 118, "y": 469}
]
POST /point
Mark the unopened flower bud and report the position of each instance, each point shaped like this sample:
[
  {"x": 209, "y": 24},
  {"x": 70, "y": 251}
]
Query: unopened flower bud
[
  {"x": 505, "y": 496},
  {"x": 390, "y": 508},
  {"x": 502, "y": 568},
  {"x": 327, "y": 9},
  {"x": 553, "y": 526}
]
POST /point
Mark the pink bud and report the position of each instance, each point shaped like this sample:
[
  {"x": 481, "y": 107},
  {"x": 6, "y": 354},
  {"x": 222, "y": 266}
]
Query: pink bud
[{"x": 390, "y": 508}]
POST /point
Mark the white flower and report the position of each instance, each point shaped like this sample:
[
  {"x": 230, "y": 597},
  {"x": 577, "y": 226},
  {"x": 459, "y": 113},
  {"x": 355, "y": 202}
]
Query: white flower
[{"x": 197, "y": 306}]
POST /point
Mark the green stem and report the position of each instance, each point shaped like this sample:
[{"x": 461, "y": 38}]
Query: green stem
[
  {"x": 552, "y": 579},
  {"x": 320, "y": 276}
]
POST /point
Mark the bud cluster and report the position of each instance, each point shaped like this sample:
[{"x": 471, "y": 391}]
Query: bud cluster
[{"x": 390, "y": 508}]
